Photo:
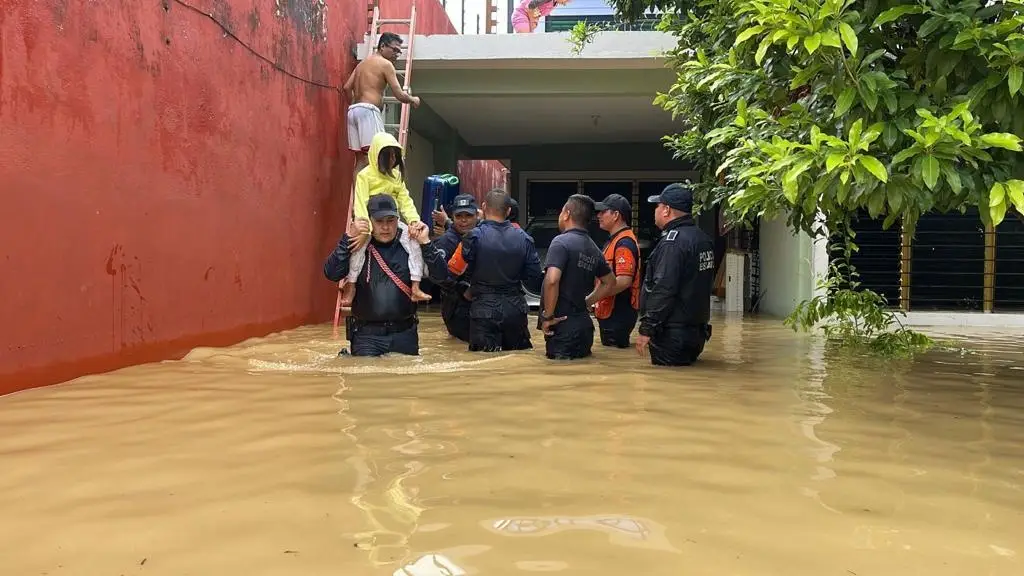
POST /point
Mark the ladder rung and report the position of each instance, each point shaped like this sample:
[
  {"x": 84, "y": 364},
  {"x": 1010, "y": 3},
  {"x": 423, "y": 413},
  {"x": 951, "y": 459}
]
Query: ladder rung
[
  {"x": 383, "y": 21},
  {"x": 392, "y": 126},
  {"x": 391, "y": 100}
]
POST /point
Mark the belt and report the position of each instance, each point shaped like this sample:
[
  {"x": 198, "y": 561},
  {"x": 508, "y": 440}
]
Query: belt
[{"x": 388, "y": 327}]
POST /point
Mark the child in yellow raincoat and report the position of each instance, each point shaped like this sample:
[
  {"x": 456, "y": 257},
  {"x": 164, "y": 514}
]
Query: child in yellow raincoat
[{"x": 385, "y": 174}]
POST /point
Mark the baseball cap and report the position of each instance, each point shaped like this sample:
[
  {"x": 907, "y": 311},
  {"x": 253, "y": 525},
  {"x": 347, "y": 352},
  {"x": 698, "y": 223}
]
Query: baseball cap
[
  {"x": 677, "y": 196},
  {"x": 381, "y": 206},
  {"x": 464, "y": 204},
  {"x": 616, "y": 203}
]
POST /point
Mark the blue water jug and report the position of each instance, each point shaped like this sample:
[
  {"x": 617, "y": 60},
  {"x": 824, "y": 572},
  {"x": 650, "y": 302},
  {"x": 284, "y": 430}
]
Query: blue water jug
[{"x": 439, "y": 191}]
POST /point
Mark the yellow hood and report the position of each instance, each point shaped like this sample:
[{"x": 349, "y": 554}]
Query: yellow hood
[
  {"x": 371, "y": 181},
  {"x": 381, "y": 141}
]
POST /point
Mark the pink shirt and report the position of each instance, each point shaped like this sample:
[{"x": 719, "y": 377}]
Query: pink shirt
[{"x": 523, "y": 14}]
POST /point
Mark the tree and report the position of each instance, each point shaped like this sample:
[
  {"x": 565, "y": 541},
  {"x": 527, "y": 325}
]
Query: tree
[{"x": 820, "y": 109}]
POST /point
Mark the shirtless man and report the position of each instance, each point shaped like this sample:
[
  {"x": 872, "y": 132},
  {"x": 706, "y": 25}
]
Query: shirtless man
[{"x": 365, "y": 87}]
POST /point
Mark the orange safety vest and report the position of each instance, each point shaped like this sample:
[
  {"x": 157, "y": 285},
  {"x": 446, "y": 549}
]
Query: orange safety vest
[{"x": 621, "y": 260}]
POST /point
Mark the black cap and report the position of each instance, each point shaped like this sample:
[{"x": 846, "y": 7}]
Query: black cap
[
  {"x": 513, "y": 212},
  {"x": 616, "y": 203},
  {"x": 381, "y": 206},
  {"x": 464, "y": 204},
  {"x": 677, "y": 196}
]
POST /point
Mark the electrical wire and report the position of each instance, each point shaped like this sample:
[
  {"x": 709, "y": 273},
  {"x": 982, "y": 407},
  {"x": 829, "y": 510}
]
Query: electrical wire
[{"x": 252, "y": 51}]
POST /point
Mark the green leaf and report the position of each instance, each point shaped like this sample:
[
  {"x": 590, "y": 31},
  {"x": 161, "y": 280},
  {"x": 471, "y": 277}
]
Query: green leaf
[
  {"x": 1014, "y": 77},
  {"x": 952, "y": 177},
  {"x": 762, "y": 50},
  {"x": 876, "y": 168},
  {"x": 855, "y": 132},
  {"x": 1001, "y": 140},
  {"x": 832, "y": 161},
  {"x": 844, "y": 191},
  {"x": 790, "y": 190},
  {"x": 872, "y": 134},
  {"x": 748, "y": 34},
  {"x": 830, "y": 39},
  {"x": 997, "y": 213},
  {"x": 930, "y": 25},
  {"x": 895, "y": 197},
  {"x": 844, "y": 102},
  {"x": 890, "y": 134},
  {"x": 812, "y": 42},
  {"x": 872, "y": 57},
  {"x": 849, "y": 37},
  {"x": 890, "y": 101},
  {"x": 997, "y": 195},
  {"x": 794, "y": 173},
  {"x": 876, "y": 202},
  {"x": 893, "y": 14},
  {"x": 870, "y": 98},
  {"x": 1015, "y": 190},
  {"x": 930, "y": 171},
  {"x": 791, "y": 43}
]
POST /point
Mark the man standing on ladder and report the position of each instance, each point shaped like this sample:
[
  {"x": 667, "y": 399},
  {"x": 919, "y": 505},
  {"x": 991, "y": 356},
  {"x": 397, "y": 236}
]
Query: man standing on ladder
[{"x": 365, "y": 88}]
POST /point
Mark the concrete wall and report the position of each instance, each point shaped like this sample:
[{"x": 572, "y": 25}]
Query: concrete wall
[
  {"x": 789, "y": 263},
  {"x": 164, "y": 187},
  {"x": 420, "y": 164}
]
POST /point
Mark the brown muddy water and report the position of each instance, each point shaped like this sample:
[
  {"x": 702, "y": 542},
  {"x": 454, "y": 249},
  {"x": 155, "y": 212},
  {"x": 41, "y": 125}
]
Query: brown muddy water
[{"x": 772, "y": 457}]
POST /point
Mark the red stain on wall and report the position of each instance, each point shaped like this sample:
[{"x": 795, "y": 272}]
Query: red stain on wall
[
  {"x": 477, "y": 177},
  {"x": 164, "y": 187}
]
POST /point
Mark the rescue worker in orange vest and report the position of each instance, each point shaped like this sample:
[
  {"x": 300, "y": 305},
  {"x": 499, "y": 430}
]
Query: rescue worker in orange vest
[{"x": 616, "y": 314}]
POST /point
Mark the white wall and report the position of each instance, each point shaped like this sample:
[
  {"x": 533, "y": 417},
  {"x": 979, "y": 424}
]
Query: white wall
[
  {"x": 419, "y": 160},
  {"x": 788, "y": 265}
]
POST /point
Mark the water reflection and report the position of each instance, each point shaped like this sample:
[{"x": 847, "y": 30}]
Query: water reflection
[
  {"x": 623, "y": 530},
  {"x": 774, "y": 455}
]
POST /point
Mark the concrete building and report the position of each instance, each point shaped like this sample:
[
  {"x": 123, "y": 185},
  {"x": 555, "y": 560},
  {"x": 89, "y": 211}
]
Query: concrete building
[{"x": 174, "y": 177}]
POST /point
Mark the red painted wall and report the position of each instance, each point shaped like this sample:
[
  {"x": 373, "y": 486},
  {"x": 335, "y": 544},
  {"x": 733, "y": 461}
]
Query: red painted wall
[
  {"x": 162, "y": 186},
  {"x": 480, "y": 176}
]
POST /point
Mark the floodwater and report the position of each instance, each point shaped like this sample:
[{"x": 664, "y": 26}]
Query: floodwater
[{"x": 773, "y": 457}]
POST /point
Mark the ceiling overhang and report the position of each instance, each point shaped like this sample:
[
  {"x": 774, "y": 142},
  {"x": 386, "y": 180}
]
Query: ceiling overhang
[{"x": 504, "y": 90}]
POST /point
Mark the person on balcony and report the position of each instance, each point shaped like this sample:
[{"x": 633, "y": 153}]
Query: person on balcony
[{"x": 529, "y": 12}]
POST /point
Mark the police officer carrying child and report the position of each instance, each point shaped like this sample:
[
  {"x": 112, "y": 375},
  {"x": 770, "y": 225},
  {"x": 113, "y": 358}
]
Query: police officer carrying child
[
  {"x": 675, "y": 301},
  {"x": 384, "y": 316}
]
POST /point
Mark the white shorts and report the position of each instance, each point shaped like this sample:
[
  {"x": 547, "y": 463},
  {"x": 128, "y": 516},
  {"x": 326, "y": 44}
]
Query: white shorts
[
  {"x": 358, "y": 258},
  {"x": 364, "y": 122}
]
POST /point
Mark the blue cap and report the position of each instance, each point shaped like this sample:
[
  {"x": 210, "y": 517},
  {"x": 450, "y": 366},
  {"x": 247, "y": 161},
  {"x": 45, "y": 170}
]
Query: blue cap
[
  {"x": 464, "y": 204},
  {"x": 677, "y": 196},
  {"x": 381, "y": 206}
]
